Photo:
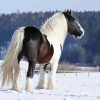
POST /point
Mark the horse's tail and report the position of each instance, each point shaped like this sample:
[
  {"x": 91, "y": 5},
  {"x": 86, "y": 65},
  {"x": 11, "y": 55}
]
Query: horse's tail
[{"x": 10, "y": 64}]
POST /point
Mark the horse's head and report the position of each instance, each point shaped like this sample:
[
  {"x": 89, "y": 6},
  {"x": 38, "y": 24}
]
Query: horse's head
[{"x": 74, "y": 28}]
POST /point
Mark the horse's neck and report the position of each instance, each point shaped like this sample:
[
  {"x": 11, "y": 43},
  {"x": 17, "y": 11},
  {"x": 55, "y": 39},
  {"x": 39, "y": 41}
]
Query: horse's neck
[
  {"x": 57, "y": 29},
  {"x": 60, "y": 31}
]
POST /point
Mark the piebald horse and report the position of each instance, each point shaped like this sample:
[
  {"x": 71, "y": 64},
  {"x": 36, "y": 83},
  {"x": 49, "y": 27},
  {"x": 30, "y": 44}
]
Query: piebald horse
[{"x": 42, "y": 46}]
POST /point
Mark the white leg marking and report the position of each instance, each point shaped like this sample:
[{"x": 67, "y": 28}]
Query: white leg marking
[
  {"x": 52, "y": 77},
  {"x": 42, "y": 79},
  {"x": 29, "y": 86}
]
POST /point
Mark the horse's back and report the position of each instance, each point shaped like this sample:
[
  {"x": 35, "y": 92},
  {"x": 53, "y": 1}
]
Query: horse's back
[{"x": 32, "y": 33}]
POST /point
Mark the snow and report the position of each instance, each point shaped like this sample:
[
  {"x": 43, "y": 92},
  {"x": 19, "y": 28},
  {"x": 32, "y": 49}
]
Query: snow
[{"x": 70, "y": 86}]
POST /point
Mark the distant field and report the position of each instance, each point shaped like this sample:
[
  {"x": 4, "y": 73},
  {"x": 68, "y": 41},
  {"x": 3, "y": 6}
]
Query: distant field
[
  {"x": 62, "y": 68},
  {"x": 73, "y": 68}
]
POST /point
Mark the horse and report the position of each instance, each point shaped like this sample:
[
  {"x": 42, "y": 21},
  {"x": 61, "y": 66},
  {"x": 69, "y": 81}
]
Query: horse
[{"x": 43, "y": 46}]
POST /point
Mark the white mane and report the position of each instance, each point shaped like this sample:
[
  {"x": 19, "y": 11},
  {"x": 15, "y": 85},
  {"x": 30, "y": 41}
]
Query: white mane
[{"x": 55, "y": 28}]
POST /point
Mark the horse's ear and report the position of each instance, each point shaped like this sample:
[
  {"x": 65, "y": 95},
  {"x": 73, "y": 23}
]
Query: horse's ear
[
  {"x": 69, "y": 15},
  {"x": 70, "y": 12}
]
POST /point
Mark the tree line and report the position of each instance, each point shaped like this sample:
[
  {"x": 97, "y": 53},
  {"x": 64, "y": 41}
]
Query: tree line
[{"x": 83, "y": 51}]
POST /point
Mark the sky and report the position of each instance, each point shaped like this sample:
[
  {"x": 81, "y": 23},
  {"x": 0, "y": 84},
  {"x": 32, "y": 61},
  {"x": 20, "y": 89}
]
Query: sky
[{"x": 11, "y": 6}]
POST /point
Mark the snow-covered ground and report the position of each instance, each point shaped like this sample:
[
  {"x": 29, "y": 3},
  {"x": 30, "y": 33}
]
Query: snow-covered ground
[{"x": 70, "y": 86}]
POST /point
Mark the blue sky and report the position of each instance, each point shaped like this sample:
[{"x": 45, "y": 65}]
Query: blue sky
[{"x": 9, "y": 6}]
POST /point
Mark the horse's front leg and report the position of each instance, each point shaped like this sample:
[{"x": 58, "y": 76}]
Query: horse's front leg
[
  {"x": 42, "y": 79},
  {"x": 52, "y": 77},
  {"x": 30, "y": 72}
]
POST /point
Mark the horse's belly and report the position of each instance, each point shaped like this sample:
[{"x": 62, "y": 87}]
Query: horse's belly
[{"x": 45, "y": 59}]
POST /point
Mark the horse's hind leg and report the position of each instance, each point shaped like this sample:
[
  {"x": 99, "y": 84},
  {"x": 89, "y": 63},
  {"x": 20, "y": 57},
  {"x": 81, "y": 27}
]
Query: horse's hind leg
[
  {"x": 42, "y": 79},
  {"x": 29, "y": 86},
  {"x": 31, "y": 57},
  {"x": 16, "y": 74}
]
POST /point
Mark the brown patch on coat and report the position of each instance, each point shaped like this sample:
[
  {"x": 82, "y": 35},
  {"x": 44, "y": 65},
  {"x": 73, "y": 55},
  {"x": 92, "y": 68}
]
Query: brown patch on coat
[{"x": 46, "y": 52}]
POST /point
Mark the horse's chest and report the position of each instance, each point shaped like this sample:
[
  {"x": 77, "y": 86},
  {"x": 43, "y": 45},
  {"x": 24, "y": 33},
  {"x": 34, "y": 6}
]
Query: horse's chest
[{"x": 45, "y": 54}]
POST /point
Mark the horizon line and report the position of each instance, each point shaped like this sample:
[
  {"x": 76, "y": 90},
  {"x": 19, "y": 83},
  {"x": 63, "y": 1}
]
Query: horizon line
[{"x": 18, "y": 11}]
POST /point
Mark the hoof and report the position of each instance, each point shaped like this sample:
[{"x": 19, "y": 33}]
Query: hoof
[
  {"x": 51, "y": 87},
  {"x": 29, "y": 86},
  {"x": 16, "y": 89},
  {"x": 40, "y": 87},
  {"x": 29, "y": 90}
]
